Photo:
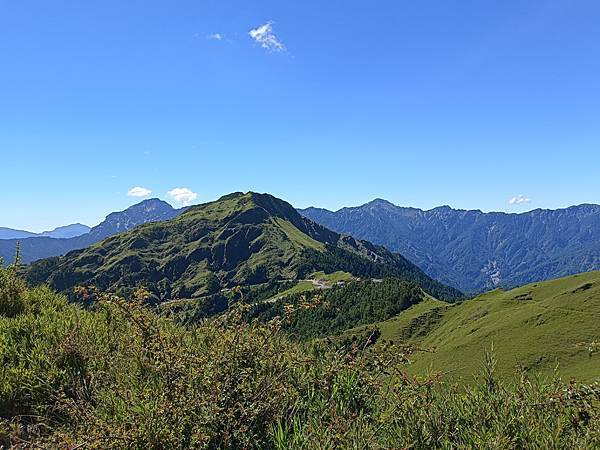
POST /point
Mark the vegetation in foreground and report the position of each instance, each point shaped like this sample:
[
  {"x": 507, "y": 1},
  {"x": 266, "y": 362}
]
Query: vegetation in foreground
[{"x": 120, "y": 376}]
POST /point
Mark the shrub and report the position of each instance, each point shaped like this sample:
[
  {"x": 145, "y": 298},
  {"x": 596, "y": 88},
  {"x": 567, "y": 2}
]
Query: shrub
[
  {"x": 120, "y": 376},
  {"x": 12, "y": 289}
]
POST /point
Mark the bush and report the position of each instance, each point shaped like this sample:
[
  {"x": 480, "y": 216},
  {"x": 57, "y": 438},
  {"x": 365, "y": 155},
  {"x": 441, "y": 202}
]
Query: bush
[
  {"x": 120, "y": 376},
  {"x": 12, "y": 289}
]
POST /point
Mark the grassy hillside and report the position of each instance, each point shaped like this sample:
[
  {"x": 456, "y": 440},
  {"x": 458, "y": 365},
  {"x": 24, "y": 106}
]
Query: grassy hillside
[
  {"x": 535, "y": 327},
  {"x": 119, "y": 376},
  {"x": 241, "y": 239}
]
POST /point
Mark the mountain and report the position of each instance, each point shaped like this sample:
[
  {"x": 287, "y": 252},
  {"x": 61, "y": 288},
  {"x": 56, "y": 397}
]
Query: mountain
[
  {"x": 10, "y": 233},
  {"x": 34, "y": 248},
  {"x": 67, "y": 231},
  {"x": 535, "y": 327},
  {"x": 476, "y": 251},
  {"x": 239, "y": 240},
  {"x": 147, "y": 211}
]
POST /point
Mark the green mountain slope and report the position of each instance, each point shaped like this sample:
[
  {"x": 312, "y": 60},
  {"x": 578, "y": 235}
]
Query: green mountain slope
[
  {"x": 330, "y": 312},
  {"x": 536, "y": 327},
  {"x": 240, "y": 239}
]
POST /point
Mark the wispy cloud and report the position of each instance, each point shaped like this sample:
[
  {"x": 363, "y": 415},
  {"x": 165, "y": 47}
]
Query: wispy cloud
[
  {"x": 266, "y": 37},
  {"x": 519, "y": 200},
  {"x": 183, "y": 196},
  {"x": 139, "y": 191},
  {"x": 216, "y": 36}
]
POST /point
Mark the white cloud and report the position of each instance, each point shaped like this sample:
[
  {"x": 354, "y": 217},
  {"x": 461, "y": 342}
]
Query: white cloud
[
  {"x": 519, "y": 200},
  {"x": 267, "y": 39},
  {"x": 139, "y": 192},
  {"x": 216, "y": 37},
  {"x": 183, "y": 196}
]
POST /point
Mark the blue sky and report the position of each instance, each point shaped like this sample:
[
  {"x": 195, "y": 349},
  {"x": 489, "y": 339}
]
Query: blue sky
[{"x": 424, "y": 103}]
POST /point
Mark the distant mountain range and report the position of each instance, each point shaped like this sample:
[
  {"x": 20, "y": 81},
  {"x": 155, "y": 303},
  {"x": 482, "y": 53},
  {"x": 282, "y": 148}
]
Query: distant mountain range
[
  {"x": 250, "y": 240},
  {"x": 475, "y": 251},
  {"x": 38, "y": 247},
  {"x": 68, "y": 231}
]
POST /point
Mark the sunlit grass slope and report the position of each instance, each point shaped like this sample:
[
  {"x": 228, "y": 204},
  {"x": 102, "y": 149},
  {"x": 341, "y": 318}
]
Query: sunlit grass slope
[{"x": 537, "y": 327}]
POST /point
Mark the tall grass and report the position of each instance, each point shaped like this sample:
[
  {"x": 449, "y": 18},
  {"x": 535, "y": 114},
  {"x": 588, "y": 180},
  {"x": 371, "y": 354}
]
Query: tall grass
[{"x": 120, "y": 376}]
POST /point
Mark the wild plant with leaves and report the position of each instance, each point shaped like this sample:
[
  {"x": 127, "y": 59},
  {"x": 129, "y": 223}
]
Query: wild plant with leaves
[{"x": 117, "y": 375}]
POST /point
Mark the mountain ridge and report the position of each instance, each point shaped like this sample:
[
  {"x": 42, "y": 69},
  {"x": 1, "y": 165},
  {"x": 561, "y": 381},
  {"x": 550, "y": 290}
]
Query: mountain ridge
[
  {"x": 382, "y": 201},
  {"x": 65, "y": 231},
  {"x": 473, "y": 250},
  {"x": 35, "y": 248}
]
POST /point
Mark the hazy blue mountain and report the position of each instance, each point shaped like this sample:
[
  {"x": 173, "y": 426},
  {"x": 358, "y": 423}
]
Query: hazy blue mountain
[
  {"x": 67, "y": 231},
  {"x": 472, "y": 250},
  {"x": 34, "y": 248},
  {"x": 10, "y": 233}
]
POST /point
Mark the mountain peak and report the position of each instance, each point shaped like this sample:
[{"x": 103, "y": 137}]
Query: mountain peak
[
  {"x": 380, "y": 202},
  {"x": 231, "y": 196},
  {"x": 443, "y": 208},
  {"x": 145, "y": 206},
  {"x": 67, "y": 231},
  {"x": 150, "y": 203},
  {"x": 242, "y": 202},
  {"x": 74, "y": 237},
  {"x": 149, "y": 210},
  {"x": 241, "y": 239}
]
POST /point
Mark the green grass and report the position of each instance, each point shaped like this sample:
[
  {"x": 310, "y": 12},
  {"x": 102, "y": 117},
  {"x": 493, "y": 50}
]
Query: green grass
[
  {"x": 332, "y": 278},
  {"x": 307, "y": 286},
  {"x": 300, "y": 287},
  {"x": 298, "y": 237},
  {"x": 538, "y": 327},
  {"x": 397, "y": 328}
]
